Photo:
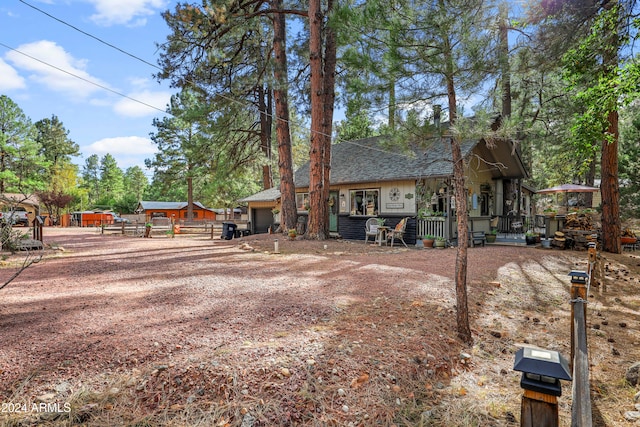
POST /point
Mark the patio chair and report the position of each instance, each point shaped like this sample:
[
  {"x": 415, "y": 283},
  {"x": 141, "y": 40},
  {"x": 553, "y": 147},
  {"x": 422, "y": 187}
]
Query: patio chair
[
  {"x": 493, "y": 225},
  {"x": 371, "y": 229},
  {"x": 477, "y": 238},
  {"x": 398, "y": 232}
]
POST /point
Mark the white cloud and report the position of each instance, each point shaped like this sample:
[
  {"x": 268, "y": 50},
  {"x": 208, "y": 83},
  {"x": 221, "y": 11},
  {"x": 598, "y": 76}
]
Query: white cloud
[
  {"x": 121, "y": 145},
  {"x": 121, "y": 12},
  {"x": 151, "y": 103},
  {"x": 10, "y": 77},
  {"x": 127, "y": 150},
  {"x": 46, "y": 71}
]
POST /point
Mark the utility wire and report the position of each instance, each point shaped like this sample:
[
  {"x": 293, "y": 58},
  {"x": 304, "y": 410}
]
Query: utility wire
[
  {"x": 159, "y": 68},
  {"x": 82, "y": 78},
  {"x": 91, "y": 35}
]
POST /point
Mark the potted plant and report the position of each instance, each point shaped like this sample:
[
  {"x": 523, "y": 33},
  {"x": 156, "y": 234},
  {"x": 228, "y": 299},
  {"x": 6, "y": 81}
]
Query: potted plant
[
  {"x": 491, "y": 236},
  {"x": 531, "y": 238},
  {"x": 428, "y": 240},
  {"x": 147, "y": 229},
  {"x": 439, "y": 243},
  {"x": 292, "y": 234}
]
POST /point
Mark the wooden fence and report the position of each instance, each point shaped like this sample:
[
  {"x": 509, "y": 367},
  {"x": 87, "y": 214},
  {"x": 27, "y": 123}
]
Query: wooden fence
[
  {"x": 539, "y": 404},
  {"x": 436, "y": 227},
  {"x": 581, "y": 412},
  {"x": 163, "y": 226}
]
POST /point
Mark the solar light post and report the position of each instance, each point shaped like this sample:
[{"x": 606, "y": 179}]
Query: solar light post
[{"x": 542, "y": 371}]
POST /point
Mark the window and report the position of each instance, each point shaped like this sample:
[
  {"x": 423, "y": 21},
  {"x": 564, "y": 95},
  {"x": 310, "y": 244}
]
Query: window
[
  {"x": 364, "y": 202},
  {"x": 302, "y": 201}
]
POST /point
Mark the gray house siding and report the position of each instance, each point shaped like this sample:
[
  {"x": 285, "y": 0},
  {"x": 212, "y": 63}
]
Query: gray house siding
[{"x": 352, "y": 228}]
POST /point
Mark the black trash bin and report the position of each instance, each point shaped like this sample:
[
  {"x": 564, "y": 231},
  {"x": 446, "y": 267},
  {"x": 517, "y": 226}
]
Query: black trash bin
[{"x": 228, "y": 230}]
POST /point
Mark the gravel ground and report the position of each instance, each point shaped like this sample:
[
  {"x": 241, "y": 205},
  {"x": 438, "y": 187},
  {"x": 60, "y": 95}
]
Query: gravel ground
[{"x": 323, "y": 333}]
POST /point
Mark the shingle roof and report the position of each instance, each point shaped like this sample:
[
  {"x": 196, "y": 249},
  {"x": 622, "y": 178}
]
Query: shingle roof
[
  {"x": 368, "y": 160},
  {"x": 149, "y": 205},
  {"x": 268, "y": 195}
]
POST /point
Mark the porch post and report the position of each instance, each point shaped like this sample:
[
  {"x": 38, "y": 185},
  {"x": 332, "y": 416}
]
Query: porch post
[
  {"x": 449, "y": 218},
  {"x": 499, "y": 201}
]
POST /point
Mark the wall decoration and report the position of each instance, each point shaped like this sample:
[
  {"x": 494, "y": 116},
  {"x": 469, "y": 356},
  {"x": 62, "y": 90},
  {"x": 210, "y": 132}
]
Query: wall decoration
[{"x": 394, "y": 194}]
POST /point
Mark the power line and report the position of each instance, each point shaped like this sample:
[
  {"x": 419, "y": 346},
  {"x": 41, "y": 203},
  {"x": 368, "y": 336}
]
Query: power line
[
  {"x": 82, "y": 78},
  {"x": 90, "y": 35},
  {"x": 228, "y": 98}
]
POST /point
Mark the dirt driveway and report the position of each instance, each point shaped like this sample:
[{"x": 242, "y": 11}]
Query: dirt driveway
[{"x": 191, "y": 331}]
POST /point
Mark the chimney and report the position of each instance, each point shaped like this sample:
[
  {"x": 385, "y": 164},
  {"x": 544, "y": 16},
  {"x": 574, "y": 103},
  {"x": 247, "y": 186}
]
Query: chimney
[{"x": 437, "y": 109}]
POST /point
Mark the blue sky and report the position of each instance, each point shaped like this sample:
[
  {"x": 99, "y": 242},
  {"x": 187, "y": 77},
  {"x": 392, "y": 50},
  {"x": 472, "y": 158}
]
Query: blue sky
[{"x": 98, "y": 120}]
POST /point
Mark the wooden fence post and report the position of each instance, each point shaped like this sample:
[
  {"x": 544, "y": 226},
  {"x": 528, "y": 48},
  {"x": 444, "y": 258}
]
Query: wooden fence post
[
  {"x": 595, "y": 269},
  {"x": 578, "y": 291},
  {"x": 581, "y": 406},
  {"x": 542, "y": 371},
  {"x": 539, "y": 410}
]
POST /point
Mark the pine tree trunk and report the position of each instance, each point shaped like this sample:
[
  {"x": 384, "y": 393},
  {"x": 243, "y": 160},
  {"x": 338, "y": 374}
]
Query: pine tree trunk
[
  {"x": 289, "y": 213},
  {"x": 317, "y": 147},
  {"x": 609, "y": 188},
  {"x": 505, "y": 69},
  {"x": 611, "y": 228},
  {"x": 462, "y": 308},
  {"x": 329, "y": 95},
  {"x": 190, "y": 197},
  {"x": 266, "y": 109}
]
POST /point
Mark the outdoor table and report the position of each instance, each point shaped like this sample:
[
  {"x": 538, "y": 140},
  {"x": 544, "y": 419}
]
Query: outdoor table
[{"x": 382, "y": 234}]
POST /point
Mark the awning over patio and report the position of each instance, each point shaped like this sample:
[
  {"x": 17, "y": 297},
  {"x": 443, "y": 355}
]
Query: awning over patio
[{"x": 568, "y": 188}]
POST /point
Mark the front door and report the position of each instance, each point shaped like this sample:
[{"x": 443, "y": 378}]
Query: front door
[{"x": 333, "y": 211}]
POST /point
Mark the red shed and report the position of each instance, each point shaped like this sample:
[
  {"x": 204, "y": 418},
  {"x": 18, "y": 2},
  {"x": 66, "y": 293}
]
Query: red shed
[{"x": 176, "y": 210}]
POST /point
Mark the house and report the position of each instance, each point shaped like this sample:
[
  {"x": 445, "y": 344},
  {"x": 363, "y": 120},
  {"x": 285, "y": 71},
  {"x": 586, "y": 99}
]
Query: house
[
  {"x": 371, "y": 179},
  {"x": 175, "y": 210}
]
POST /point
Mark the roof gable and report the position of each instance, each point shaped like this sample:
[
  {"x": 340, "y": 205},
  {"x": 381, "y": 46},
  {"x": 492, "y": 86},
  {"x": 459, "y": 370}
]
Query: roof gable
[{"x": 268, "y": 195}]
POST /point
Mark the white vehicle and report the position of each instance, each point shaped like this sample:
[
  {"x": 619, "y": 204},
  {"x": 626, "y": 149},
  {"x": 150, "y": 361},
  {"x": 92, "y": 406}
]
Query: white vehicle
[{"x": 17, "y": 215}]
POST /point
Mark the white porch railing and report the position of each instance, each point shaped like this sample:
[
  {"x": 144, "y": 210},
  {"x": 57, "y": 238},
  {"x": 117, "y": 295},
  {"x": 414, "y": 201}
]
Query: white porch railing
[{"x": 436, "y": 226}]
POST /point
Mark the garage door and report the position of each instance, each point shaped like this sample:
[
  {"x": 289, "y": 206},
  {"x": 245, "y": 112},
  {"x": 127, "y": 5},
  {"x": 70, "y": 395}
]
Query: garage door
[{"x": 263, "y": 219}]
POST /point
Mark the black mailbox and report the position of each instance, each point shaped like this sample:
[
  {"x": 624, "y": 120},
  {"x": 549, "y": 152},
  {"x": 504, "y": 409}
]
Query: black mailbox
[{"x": 542, "y": 370}]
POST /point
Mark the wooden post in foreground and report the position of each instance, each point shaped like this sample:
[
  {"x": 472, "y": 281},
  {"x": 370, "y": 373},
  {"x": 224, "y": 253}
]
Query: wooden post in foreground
[
  {"x": 542, "y": 371},
  {"x": 581, "y": 407},
  {"x": 539, "y": 410}
]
